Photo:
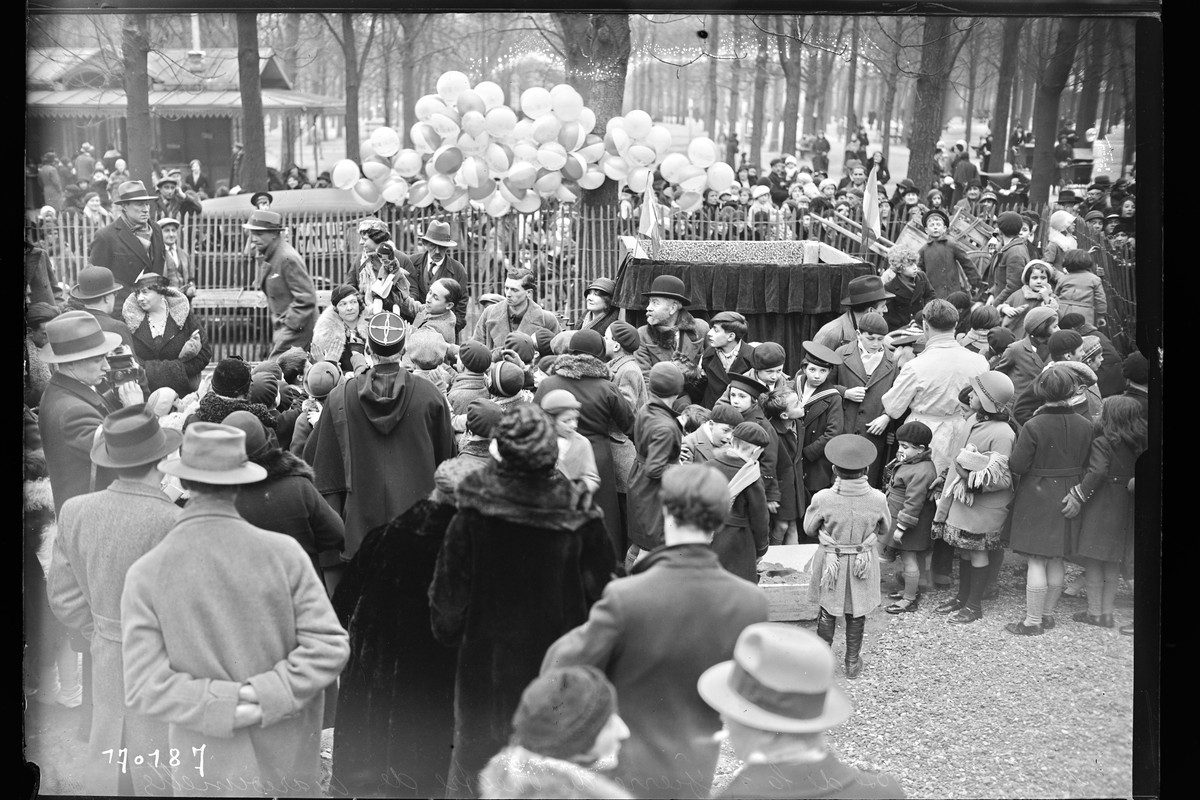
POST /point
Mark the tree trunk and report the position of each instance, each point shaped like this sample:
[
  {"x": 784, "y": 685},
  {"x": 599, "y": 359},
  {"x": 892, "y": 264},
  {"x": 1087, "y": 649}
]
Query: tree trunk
[
  {"x": 791, "y": 57},
  {"x": 1126, "y": 41},
  {"x": 972, "y": 73},
  {"x": 135, "y": 45},
  {"x": 1001, "y": 120},
  {"x": 735, "y": 97},
  {"x": 350, "y": 59},
  {"x": 927, "y": 116},
  {"x": 291, "y": 43},
  {"x": 810, "y": 90},
  {"x": 409, "y": 23},
  {"x": 712, "y": 45},
  {"x": 1089, "y": 97},
  {"x": 851, "y": 79},
  {"x": 758, "y": 113},
  {"x": 597, "y": 51},
  {"x": 254, "y": 161},
  {"x": 889, "y": 80},
  {"x": 1045, "y": 113},
  {"x": 822, "y": 85}
]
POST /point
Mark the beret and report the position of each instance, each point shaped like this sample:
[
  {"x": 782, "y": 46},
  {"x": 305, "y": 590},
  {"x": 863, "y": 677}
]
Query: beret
[
  {"x": 625, "y": 335},
  {"x": 751, "y": 433},
  {"x": 666, "y": 379},
  {"x": 767, "y": 355},
  {"x": 475, "y": 356}
]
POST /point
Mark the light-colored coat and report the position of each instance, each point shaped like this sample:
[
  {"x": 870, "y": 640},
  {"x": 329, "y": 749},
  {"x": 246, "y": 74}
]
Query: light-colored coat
[
  {"x": 494, "y": 324},
  {"x": 989, "y": 508},
  {"x": 100, "y": 536},
  {"x": 217, "y": 604},
  {"x": 627, "y": 377},
  {"x": 852, "y": 513},
  {"x": 284, "y": 279}
]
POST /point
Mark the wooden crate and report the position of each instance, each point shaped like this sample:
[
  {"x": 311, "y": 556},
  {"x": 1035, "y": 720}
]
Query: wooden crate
[{"x": 788, "y": 602}]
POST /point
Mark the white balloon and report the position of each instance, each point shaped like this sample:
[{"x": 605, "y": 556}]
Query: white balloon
[
  {"x": 660, "y": 139},
  {"x": 565, "y": 195},
  {"x": 385, "y": 141},
  {"x": 548, "y": 184},
  {"x": 639, "y": 177},
  {"x": 587, "y": 120},
  {"x": 492, "y": 94},
  {"x": 641, "y": 155},
  {"x": 720, "y": 176},
  {"x": 522, "y": 175},
  {"x": 592, "y": 179},
  {"x": 510, "y": 194},
  {"x": 396, "y": 191},
  {"x": 497, "y": 205},
  {"x": 473, "y": 145},
  {"x": 593, "y": 148},
  {"x": 569, "y": 105},
  {"x": 376, "y": 171},
  {"x": 482, "y": 191},
  {"x": 344, "y": 174},
  {"x": 671, "y": 166},
  {"x": 475, "y": 172},
  {"x": 367, "y": 191},
  {"x": 499, "y": 157},
  {"x": 614, "y": 123},
  {"x": 441, "y": 186},
  {"x": 456, "y": 202},
  {"x": 617, "y": 142},
  {"x": 546, "y": 129},
  {"x": 525, "y": 151},
  {"x": 703, "y": 152},
  {"x": 523, "y": 131},
  {"x": 638, "y": 124},
  {"x": 615, "y": 167},
  {"x": 451, "y": 84},
  {"x": 500, "y": 122},
  {"x": 694, "y": 183},
  {"x": 473, "y": 123},
  {"x": 447, "y": 160},
  {"x": 427, "y": 105},
  {"x": 574, "y": 167},
  {"x": 407, "y": 163},
  {"x": 445, "y": 122},
  {"x": 552, "y": 156},
  {"x": 689, "y": 201},
  {"x": 535, "y": 102},
  {"x": 469, "y": 101},
  {"x": 425, "y": 138},
  {"x": 419, "y": 195},
  {"x": 365, "y": 150},
  {"x": 529, "y": 203}
]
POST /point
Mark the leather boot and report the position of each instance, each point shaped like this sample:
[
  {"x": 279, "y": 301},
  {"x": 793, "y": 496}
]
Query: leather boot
[
  {"x": 854, "y": 638},
  {"x": 826, "y": 625}
]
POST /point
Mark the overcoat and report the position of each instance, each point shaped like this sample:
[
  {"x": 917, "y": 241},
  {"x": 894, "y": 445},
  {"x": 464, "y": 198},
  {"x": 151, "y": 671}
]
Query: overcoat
[
  {"x": 653, "y": 633},
  {"x": 284, "y": 279},
  {"x": 627, "y": 377},
  {"x": 683, "y": 345},
  {"x": 1082, "y": 292},
  {"x": 185, "y": 669},
  {"x": 854, "y": 515},
  {"x": 160, "y": 356},
  {"x": 367, "y": 422},
  {"x": 823, "y": 420},
  {"x": 395, "y": 712},
  {"x": 1022, "y": 361},
  {"x": 108, "y": 324},
  {"x": 909, "y": 503},
  {"x": 1106, "y": 522},
  {"x": 100, "y": 536},
  {"x": 856, "y": 416},
  {"x": 1004, "y": 272},
  {"x": 657, "y": 436},
  {"x": 68, "y": 416},
  {"x": 1050, "y": 455},
  {"x": 828, "y": 779},
  {"x": 600, "y": 324},
  {"x": 789, "y": 469},
  {"x": 697, "y": 448},
  {"x": 988, "y": 510},
  {"x": 714, "y": 376},
  {"x": 494, "y": 323},
  {"x": 945, "y": 264},
  {"x": 838, "y": 332},
  {"x": 770, "y": 453},
  {"x": 117, "y": 247},
  {"x": 911, "y": 297},
  {"x": 746, "y": 532},
  {"x": 604, "y": 408},
  {"x": 286, "y": 501},
  {"x": 521, "y": 565}
]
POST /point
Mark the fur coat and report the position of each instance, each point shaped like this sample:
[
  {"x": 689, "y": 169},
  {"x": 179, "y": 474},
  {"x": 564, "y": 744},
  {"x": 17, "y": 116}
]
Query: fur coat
[
  {"x": 396, "y": 696},
  {"x": 329, "y": 333},
  {"x": 171, "y": 360},
  {"x": 521, "y": 565},
  {"x": 517, "y": 772}
]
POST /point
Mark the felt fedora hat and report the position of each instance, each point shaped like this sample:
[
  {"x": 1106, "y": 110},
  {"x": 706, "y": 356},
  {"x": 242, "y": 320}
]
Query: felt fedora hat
[
  {"x": 866, "y": 289},
  {"x": 780, "y": 679},
  {"x": 74, "y": 336},
  {"x": 438, "y": 232},
  {"x": 95, "y": 282},
  {"x": 264, "y": 221},
  {"x": 132, "y": 437},
  {"x": 129, "y": 191},
  {"x": 167, "y": 177},
  {"x": 670, "y": 287},
  {"x": 212, "y": 453}
]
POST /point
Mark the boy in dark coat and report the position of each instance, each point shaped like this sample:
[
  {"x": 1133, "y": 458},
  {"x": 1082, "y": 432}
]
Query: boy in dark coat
[
  {"x": 943, "y": 261},
  {"x": 866, "y": 373},
  {"x": 910, "y": 475},
  {"x": 823, "y": 417},
  {"x": 908, "y": 283},
  {"x": 657, "y": 436},
  {"x": 782, "y": 408},
  {"x": 744, "y": 392},
  {"x": 743, "y": 539},
  {"x": 727, "y": 352}
]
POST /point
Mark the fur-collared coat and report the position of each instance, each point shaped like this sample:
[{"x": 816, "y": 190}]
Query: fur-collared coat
[
  {"x": 165, "y": 359},
  {"x": 214, "y": 407},
  {"x": 521, "y": 565},
  {"x": 286, "y": 501},
  {"x": 100, "y": 536},
  {"x": 604, "y": 408},
  {"x": 682, "y": 344},
  {"x": 329, "y": 334},
  {"x": 517, "y": 772},
  {"x": 396, "y": 695}
]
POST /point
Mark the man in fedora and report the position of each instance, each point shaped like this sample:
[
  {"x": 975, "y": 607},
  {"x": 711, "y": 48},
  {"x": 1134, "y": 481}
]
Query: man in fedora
[
  {"x": 865, "y": 294},
  {"x": 173, "y": 201},
  {"x": 100, "y": 535},
  {"x": 435, "y": 263},
  {"x": 368, "y": 421},
  {"x": 132, "y": 243},
  {"x": 777, "y": 697},
  {"x": 72, "y": 409},
  {"x": 671, "y": 333},
  {"x": 284, "y": 279},
  {"x": 228, "y": 635},
  {"x": 96, "y": 291}
]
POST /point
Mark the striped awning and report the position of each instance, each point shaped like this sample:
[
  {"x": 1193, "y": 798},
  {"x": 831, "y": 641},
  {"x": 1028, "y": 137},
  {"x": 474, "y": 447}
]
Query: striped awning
[{"x": 96, "y": 103}]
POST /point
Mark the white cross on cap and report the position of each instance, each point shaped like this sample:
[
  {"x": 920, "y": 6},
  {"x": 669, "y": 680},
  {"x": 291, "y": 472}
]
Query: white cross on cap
[{"x": 386, "y": 328}]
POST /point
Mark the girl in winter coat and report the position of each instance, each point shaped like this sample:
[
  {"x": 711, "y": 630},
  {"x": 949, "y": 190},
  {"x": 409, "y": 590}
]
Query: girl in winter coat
[
  {"x": 1051, "y": 454},
  {"x": 976, "y": 492},
  {"x": 1081, "y": 290},
  {"x": 1061, "y": 237},
  {"x": 909, "y": 478},
  {"x": 1035, "y": 291},
  {"x": 1106, "y": 498}
]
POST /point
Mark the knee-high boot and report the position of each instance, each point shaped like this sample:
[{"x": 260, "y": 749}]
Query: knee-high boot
[
  {"x": 826, "y": 625},
  {"x": 854, "y": 638}
]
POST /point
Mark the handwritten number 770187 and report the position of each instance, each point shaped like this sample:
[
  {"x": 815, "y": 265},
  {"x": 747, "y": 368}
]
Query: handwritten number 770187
[{"x": 152, "y": 759}]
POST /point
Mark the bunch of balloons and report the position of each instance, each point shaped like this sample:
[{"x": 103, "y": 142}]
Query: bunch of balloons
[
  {"x": 697, "y": 172},
  {"x": 469, "y": 147}
]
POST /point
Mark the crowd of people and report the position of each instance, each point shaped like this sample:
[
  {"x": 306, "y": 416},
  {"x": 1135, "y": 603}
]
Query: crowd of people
[{"x": 521, "y": 556}]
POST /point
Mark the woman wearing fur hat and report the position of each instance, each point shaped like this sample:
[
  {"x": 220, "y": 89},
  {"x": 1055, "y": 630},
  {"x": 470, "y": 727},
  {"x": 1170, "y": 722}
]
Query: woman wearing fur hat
[
  {"x": 168, "y": 340},
  {"x": 341, "y": 329},
  {"x": 519, "y": 524}
]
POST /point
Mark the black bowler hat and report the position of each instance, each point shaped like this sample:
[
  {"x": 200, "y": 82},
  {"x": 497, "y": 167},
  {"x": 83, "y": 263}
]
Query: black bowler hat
[
  {"x": 94, "y": 282},
  {"x": 670, "y": 287}
]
